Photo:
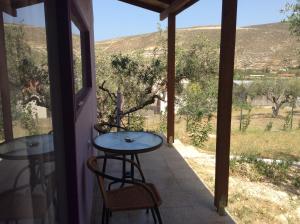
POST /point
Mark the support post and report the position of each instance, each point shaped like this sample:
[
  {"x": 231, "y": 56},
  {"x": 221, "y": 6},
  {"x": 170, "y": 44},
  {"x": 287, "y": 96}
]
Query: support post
[
  {"x": 4, "y": 86},
  {"x": 226, "y": 71},
  {"x": 171, "y": 77},
  {"x": 59, "y": 38}
]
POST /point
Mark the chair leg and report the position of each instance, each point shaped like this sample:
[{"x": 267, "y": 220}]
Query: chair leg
[
  {"x": 153, "y": 215},
  {"x": 158, "y": 215}
]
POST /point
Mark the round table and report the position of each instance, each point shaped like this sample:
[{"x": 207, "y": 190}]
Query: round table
[
  {"x": 28, "y": 148},
  {"x": 37, "y": 149},
  {"x": 128, "y": 142}
]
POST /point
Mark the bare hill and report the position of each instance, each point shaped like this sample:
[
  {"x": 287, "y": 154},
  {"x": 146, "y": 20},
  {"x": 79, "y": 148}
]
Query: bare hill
[{"x": 258, "y": 47}]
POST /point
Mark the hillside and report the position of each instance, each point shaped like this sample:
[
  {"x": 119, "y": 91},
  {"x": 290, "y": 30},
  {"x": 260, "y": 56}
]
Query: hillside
[{"x": 258, "y": 47}]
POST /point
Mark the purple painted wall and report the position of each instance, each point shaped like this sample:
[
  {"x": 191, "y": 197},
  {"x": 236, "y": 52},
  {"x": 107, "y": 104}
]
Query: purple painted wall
[{"x": 84, "y": 129}]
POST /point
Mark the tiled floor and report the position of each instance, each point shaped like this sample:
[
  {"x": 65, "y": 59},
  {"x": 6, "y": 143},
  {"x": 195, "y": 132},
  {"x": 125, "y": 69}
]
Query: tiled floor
[{"x": 185, "y": 199}]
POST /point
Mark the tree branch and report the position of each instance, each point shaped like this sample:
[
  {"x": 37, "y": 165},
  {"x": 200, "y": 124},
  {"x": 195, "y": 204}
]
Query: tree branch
[
  {"x": 38, "y": 100},
  {"x": 111, "y": 95},
  {"x": 141, "y": 106}
]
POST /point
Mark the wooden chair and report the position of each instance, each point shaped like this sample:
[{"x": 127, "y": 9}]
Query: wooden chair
[{"x": 136, "y": 195}]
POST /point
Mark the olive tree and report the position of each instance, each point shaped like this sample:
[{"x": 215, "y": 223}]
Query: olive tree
[
  {"x": 279, "y": 92},
  {"x": 139, "y": 81},
  {"x": 28, "y": 70},
  {"x": 241, "y": 97},
  {"x": 197, "y": 66},
  {"x": 293, "y": 17}
]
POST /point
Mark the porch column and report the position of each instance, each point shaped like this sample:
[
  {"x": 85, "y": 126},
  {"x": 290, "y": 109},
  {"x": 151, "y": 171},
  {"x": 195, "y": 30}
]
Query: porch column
[
  {"x": 226, "y": 70},
  {"x": 4, "y": 86},
  {"x": 171, "y": 77}
]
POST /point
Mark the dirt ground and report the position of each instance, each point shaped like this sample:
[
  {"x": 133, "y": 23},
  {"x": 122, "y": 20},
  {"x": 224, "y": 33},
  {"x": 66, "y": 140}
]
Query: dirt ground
[{"x": 249, "y": 202}]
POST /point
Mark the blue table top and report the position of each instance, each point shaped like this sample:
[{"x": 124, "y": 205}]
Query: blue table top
[
  {"x": 27, "y": 147},
  {"x": 128, "y": 142}
]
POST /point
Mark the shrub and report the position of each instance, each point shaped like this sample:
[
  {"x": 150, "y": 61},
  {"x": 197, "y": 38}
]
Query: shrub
[
  {"x": 163, "y": 123},
  {"x": 288, "y": 121},
  {"x": 27, "y": 120},
  {"x": 246, "y": 121},
  {"x": 269, "y": 126},
  {"x": 136, "y": 122},
  {"x": 256, "y": 169},
  {"x": 199, "y": 131}
]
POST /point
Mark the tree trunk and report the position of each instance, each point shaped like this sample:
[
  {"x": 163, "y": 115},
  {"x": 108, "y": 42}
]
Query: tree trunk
[
  {"x": 292, "y": 115},
  {"x": 241, "y": 117},
  {"x": 187, "y": 123},
  {"x": 275, "y": 109}
]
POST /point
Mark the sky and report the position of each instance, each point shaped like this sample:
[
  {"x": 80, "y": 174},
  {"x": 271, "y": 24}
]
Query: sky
[{"x": 114, "y": 19}]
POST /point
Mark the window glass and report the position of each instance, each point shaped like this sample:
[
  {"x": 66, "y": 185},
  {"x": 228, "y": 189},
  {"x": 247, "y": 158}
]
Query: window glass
[
  {"x": 27, "y": 180},
  {"x": 77, "y": 60}
]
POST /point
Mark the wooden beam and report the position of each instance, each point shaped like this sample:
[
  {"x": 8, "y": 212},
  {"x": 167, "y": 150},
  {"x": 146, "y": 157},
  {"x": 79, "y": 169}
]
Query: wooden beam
[
  {"x": 226, "y": 70},
  {"x": 176, "y": 7},
  {"x": 186, "y": 6},
  {"x": 59, "y": 38},
  {"x": 24, "y": 3},
  {"x": 4, "y": 86},
  {"x": 5, "y": 6},
  {"x": 171, "y": 77},
  {"x": 155, "y": 6}
]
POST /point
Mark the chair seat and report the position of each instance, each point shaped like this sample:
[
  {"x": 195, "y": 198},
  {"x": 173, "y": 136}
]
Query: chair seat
[{"x": 132, "y": 197}]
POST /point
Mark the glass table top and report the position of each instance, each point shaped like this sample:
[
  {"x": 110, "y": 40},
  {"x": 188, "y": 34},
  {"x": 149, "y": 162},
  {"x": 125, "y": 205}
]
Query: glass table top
[
  {"x": 26, "y": 147},
  {"x": 128, "y": 141}
]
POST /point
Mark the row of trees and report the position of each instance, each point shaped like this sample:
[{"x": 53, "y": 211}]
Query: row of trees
[{"x": 140, "y": 80}]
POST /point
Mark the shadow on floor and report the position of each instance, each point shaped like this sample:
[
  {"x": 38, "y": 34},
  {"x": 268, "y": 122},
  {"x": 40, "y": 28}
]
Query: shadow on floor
[{"x": 186, "y": 200}]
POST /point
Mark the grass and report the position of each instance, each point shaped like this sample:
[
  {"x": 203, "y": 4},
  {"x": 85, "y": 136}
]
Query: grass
[{"x": 274, "y": 144}]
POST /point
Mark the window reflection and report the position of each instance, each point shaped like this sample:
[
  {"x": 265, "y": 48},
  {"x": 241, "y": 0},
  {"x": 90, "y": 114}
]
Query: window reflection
[{"x": 27, "y": 180}]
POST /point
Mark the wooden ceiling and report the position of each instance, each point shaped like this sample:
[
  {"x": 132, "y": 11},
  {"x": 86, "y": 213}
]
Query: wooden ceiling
[
  {"x": 164, "y": 7},
  {"x": 10, "y": 6}
]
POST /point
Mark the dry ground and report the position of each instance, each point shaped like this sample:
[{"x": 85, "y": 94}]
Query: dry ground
[
  {"x": 275, "y": 144},
  {"x": 249, "y": 202}
]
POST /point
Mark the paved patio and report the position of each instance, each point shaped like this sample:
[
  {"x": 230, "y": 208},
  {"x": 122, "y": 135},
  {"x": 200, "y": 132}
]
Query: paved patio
[{"x": 185, "y": 197}]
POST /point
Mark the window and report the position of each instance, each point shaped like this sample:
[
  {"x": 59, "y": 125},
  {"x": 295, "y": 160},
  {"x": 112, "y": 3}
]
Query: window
[
  {"x": 77, "y": 58},
  {"x": 81, "y": 57},
  {"x": 28, "y": 190}
]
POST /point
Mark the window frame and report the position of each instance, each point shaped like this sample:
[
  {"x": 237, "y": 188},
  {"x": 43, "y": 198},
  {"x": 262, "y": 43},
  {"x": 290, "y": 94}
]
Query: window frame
[{"x": 81, "y": 24}]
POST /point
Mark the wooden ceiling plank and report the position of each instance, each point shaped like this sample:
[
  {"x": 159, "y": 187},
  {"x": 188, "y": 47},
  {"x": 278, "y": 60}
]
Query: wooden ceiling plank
[
  {"x": 23, "y": 3},
  {"x": 186, "y": 6},
  {"x": 158, "y": 7},
  {"x": 176, "y": 7},
  {"x": 5, "y": 6}
]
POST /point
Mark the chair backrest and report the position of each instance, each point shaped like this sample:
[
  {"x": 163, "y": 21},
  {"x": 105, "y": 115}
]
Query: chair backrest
[{"x": 93, "y": 166}]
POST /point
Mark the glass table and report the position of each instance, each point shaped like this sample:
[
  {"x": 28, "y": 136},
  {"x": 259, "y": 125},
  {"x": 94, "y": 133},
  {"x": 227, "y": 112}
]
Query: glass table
[
  {"x": 37, "y": 149},
  {"x": 127, "y": 143},
  {"x": 28, "y": 148}
]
